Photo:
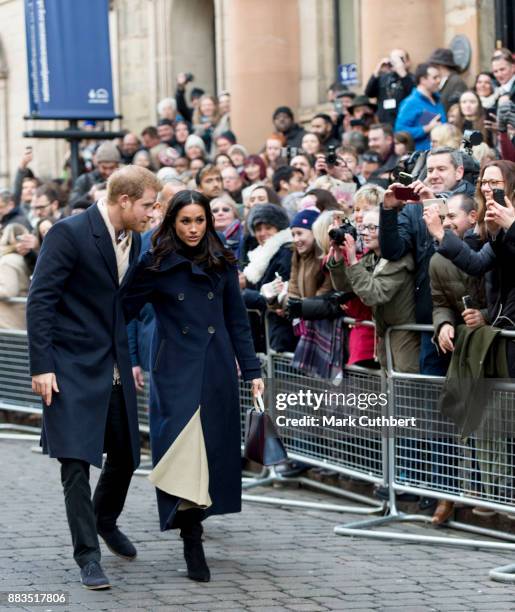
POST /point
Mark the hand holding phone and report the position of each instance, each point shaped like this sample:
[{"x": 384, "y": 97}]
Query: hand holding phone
[
  {"x": 405, "y": 194},
  {"x": 499, "y": 196}
]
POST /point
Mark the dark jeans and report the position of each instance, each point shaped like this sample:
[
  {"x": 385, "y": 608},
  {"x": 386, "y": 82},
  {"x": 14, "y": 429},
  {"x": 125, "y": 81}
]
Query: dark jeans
[{"x": 86, "y": 516}]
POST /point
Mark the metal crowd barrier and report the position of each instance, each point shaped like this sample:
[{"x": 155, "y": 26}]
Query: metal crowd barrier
[
  {"x": 15, "y": 384},
  {"x": 434, "y": 462},
  {"x": 360, "y": 455}
]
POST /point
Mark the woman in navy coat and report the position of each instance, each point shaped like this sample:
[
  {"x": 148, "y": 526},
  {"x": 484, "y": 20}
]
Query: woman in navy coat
[{"x": 201, "y": 329}]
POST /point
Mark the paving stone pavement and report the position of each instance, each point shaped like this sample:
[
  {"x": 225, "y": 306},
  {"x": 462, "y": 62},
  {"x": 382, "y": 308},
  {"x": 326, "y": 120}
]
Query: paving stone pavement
[{"x": 265, "y": 559}]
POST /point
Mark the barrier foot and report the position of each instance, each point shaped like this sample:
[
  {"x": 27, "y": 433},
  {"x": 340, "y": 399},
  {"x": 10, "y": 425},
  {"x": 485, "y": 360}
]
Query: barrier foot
[
  {"x": 505, "y": 573},
  {"x": 359, "y": 528},
  {"x": 371, "y": 507}
]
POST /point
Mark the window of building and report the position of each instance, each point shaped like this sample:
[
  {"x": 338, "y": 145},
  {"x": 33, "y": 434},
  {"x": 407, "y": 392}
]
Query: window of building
[{"x": 346, "y": 13}]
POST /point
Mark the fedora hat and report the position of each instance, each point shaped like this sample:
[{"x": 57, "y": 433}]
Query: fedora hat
[
  {"x": 361, "y": 101},
  {"x": 443, "y": 57}
]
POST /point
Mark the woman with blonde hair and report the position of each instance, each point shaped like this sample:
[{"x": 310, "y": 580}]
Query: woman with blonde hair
[
  {"x": 360, "y": 345},
  {"x": 14, "y": 278},
  {"x": 446, "y": 135}
]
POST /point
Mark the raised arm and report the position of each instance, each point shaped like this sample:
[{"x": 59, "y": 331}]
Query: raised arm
[{"x": 475, "y": 263}]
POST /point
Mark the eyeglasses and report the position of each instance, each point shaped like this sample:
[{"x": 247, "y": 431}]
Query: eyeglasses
[
  {"x": 370, "y": 227},
  {"x": 223, "y": 209},
  {"x": 491, "y": 183}
]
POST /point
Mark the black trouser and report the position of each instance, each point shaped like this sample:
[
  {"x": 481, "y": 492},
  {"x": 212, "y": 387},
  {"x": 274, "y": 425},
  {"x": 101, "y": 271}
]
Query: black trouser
[{"x": 86, "y": 516}]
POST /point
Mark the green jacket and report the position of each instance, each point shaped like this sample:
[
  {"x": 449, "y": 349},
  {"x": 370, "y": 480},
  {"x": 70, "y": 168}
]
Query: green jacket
[
  {"x": 448, "y": 286},
  {"x": 478, "y": 358},
  {"x": 388, "y": 287}
]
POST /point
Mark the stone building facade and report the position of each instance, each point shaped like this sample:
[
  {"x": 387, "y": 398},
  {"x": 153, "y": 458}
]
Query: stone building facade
[{"x": 265, "y": 52}]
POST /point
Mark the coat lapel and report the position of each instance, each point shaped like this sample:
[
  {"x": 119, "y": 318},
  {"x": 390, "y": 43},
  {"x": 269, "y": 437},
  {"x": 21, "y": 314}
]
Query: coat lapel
[{"x": 103, "y": 241}]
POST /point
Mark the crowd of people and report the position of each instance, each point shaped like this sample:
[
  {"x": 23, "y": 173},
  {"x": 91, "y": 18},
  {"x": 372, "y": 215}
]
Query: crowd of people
[{"x": 394, "y": 206}]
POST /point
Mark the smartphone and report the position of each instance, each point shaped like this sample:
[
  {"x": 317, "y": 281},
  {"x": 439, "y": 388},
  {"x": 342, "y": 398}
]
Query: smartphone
[
  {"x": 499, "y": 196},
  {"x": 467, "y": 302},
  {"x": 443, "y": 209},
  {"x": 406, "y": 194}
]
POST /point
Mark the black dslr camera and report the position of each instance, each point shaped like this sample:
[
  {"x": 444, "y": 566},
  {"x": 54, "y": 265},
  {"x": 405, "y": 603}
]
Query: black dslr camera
[
  {"x": 330, "y": 157},
  {"x": 338, "y": 234}
]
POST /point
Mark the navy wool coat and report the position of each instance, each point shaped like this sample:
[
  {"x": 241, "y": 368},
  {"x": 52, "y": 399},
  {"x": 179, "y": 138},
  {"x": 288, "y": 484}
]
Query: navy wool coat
[
  {"x": 76, "y": 329},
  {"x": 201, "y": 327}
]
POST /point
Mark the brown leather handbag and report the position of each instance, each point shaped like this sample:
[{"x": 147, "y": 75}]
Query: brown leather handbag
[{"x": 262, "y": 442}]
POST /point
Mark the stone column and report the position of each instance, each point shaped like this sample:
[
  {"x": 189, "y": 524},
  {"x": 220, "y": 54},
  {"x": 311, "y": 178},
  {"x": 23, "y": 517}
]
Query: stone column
[
  {"x": 263, "y": 64},
  {"x": 415, "y": 25}
]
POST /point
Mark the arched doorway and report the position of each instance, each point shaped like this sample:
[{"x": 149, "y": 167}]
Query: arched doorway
[{"x": 193, "y": 41}]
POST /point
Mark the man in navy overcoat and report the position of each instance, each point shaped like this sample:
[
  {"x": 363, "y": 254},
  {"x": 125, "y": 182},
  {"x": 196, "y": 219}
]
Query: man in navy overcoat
[{"x": 79, "y": 360}]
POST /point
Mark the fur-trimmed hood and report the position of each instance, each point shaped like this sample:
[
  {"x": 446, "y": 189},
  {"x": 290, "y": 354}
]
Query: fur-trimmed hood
[{"x": 261, "y": 256}]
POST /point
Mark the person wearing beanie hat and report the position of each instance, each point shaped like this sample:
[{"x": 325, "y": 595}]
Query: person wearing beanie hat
[
  {"x": 107, "y": 159},
  {"x": 267, "y": 214},
  {"x": 304, "y": 219},
  {"x": 269, "y": 261},
  {"x": 284, "y": 123},
  {"x": 108, "y": 152},
  {"x": 194, "y": 147}
]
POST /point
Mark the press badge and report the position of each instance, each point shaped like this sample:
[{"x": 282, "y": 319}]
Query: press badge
[{"x": 390, "y": 103}]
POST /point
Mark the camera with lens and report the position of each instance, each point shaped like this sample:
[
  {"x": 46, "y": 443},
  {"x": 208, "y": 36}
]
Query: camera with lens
[
  {"x": 330, "y": 157},
  {"x": 189, "y": 77},
  {"x": 338, "y": 234},
  {"x": 471, "y": 138}
]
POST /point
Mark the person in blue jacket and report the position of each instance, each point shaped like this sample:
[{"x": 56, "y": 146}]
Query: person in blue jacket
[
  {"x": 422, "y": 110},
  {"x": 201, "y": 329}
]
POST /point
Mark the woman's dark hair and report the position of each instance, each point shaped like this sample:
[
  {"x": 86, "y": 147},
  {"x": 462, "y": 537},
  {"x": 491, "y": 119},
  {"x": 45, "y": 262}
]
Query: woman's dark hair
[
  {"x": 273, "y": 197},
  {"x": 325, "y": 199},
  {"x": 210, "y": 250},
  {"x": 488, "y": 74}
]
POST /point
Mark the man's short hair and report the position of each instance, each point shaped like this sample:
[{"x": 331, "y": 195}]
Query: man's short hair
[
  {"x": 131, "y": 181},
  {"x": 323, "y": 116},
  {"x": 150, "y": 131},
  {"x": 386, "y": 127},
  {"x": 503, "y": 53},
  {"x": 467, "y": 203},
  {"x": 283, "y": 173},
  {"x": 49, "y": 191},
  {"x": 455, "y": 155},
  {"x": 421, "y": 71},
  {"x": 347, "y": 149},
  {"x": 205, "y": 171}
]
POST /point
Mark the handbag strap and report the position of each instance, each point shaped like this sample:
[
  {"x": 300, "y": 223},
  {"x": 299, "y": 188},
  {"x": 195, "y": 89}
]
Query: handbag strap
[{"x": 258, "y": 403}]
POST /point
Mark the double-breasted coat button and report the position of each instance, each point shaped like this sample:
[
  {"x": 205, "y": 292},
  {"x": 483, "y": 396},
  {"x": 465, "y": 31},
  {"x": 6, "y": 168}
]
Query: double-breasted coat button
[
  {"x": 210, "y": 295},
  {"x": 211, "y": 329},
  {"x": 185, "y": 329},
  {"x": 180, "y": 297}
]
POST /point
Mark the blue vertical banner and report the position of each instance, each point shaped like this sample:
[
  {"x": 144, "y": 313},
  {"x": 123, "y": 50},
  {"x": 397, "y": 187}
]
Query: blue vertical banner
[{"x": 69, "y": 59}]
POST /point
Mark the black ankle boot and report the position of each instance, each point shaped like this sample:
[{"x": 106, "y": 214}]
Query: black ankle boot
[{"x": 194, "y": 553}]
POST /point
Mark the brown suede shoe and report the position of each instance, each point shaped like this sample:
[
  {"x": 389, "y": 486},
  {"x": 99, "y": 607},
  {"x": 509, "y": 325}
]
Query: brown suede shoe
[{"x": 443, "y": 512}]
